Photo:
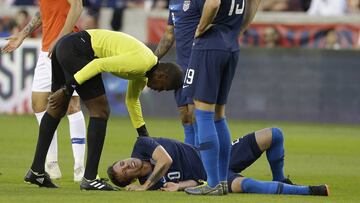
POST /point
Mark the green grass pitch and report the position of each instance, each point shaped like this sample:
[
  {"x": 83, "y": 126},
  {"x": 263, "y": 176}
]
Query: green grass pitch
[{"x": 315, "y": 154}]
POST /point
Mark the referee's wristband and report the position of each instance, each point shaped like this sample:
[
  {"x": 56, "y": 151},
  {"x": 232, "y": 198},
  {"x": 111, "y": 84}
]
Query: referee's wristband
[{"x": 142, "y": 132}]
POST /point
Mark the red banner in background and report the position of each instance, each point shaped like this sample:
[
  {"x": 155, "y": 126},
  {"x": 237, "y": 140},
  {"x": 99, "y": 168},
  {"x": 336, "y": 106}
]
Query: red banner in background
[{"x": 332, "y": 36}]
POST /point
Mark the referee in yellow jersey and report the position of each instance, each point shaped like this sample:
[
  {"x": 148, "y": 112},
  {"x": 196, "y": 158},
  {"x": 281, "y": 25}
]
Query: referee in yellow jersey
[{"x": 77, "y": 63}]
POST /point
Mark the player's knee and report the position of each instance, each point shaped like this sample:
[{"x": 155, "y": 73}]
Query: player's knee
[
  {"x": 277, "y": 136},
  {"x": 38, "y": 107},
  {"x": 186, "y": 119},
  {"x": 56, "y": 112},
  {"x": 39, "y": 102},
  {"x": 102, "y": 111},
  {"x": 186, "y": 116}
]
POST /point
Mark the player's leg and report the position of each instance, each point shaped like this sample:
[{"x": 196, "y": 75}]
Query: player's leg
[
  {"x": 99, "y": 113},
  {"x": 208, "y": 140},
  {"x": 96, "y": 102},
  {"x": 41, "y": 89},
  {"x": 275, "y": 154},
  {"x": 186, "y": 120},
  {"x": 246, "y": 150},
  {"x": 48, "y": 125},
  {"x": 224, "y": 143},
  {"x": 77, "y": 134},
  {"x": 227, "y": 72},
  {"x": 249, "y": 185},
  {"x": 202, "y": 82}
]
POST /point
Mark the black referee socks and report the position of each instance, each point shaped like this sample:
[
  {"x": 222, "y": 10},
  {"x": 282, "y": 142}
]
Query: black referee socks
[
  {"x": 95, "y": 138},
  {"x": 47, "y": 128}
]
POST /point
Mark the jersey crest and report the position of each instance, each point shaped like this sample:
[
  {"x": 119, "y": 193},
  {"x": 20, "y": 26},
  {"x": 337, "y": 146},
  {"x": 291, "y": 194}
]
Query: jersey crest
[{"x": 186, "y": 5}]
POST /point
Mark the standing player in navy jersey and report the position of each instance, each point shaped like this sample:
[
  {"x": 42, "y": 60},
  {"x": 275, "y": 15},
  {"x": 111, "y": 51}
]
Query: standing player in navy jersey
[
  {"x": 208, "y": 79},
  {"x": 169, "y": 165},
  {"x": 182, "y": 22}
]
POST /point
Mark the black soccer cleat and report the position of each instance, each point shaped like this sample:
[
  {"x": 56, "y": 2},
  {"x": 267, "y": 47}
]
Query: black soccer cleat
[
  {"x": 42, "y": 180},
  {"x": 97, "y": 184},
  {"x": 321, "y": 190}
]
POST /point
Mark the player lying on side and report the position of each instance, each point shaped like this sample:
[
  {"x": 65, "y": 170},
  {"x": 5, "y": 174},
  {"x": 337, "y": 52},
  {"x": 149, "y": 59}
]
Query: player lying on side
[{"x": 169, "y": 165}]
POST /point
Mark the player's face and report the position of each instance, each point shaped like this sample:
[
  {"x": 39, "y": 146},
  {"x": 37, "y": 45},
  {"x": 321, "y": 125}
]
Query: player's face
[
  {"x": 156, "y": 84},
  {"x": 128, "y": 169}
]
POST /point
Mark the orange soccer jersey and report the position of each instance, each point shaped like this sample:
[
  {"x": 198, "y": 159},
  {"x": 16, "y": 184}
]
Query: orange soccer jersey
[{"x": 53, "y": 17}]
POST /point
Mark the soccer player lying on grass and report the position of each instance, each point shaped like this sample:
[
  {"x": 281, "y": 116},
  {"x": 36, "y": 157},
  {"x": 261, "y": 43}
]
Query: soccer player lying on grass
[
  {"x": 169, "y": 165},
  {"x": 77, "y": 63}
]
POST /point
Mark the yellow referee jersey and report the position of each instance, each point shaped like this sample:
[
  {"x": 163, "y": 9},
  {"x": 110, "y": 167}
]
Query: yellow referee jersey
[{"x": 123, "y": 56}]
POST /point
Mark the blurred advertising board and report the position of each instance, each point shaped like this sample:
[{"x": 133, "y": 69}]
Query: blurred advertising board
[{"x": 319, "y": 35}]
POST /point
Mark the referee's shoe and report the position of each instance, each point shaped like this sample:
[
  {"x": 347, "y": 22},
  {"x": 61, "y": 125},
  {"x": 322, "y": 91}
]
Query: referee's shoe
[
  {"x": 42, "y": 180},
  {"x": 97, "y": 184}
]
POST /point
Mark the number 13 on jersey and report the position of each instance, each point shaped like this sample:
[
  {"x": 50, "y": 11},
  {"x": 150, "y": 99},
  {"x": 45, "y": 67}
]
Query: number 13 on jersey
[{"x": 235, "y": 6}]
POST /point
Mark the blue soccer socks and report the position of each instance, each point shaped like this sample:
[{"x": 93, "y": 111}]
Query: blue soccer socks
[
  {"x": 189, "y": 134},
  {"x": 209, "y": 145},
  {"x": 249, "y": 185},
  {"x": 275, "y": 155},
  {"x": 225, "y": 148},
  {"x": 196, "y": 137}
]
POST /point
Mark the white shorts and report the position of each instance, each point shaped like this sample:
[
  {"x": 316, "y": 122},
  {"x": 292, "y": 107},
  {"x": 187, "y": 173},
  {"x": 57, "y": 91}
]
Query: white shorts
[{"x": 42, "y": 74}]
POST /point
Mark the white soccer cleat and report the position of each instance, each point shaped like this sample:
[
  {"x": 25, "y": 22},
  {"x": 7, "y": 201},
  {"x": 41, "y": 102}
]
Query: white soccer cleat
[
  {"x": 78, "y": 173},
  {"x": 53, "y": 169}
]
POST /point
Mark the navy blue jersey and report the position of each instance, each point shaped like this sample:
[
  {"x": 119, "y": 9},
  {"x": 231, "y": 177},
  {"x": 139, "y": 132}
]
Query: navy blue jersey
[
  {"x": 224, "y": 33},
  {"x": 186, "y": 164},
  {"x": 185, "y": 18}
]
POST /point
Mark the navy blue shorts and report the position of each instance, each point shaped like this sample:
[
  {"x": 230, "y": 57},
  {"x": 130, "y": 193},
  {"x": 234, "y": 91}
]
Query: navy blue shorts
[
  {"x": 209, "y": 75},
  {"x": 244, "y": 152},
  {"x": 182, "y": 100}
]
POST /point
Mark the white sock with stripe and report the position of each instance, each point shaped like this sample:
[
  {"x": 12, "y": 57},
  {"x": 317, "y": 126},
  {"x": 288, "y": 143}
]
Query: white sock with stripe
[{"x": 77, "y": 134}]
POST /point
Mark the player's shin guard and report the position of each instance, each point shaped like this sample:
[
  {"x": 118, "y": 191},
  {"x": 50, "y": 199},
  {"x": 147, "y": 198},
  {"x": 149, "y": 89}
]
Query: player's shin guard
[
  {"x": 249, "y": 185},
  {"x": 189, "y": 134},
  {"x": 225, "y": 147},
  {"x": 96, "y": 137},
  {"x": 47, "y": 128},
  {"x": 275, "y": 155},
  {"x": 209, "y": 145}
]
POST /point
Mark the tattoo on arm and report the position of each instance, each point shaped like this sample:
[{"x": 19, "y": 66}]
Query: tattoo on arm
[
  {"x": 33, "y": 24},
  {"x": 156, "y": 175},
  {"x": 165, "y": 43}
]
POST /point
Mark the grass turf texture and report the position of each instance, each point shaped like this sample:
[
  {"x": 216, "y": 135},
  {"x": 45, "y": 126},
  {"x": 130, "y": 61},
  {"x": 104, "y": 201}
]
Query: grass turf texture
[{"x": 315, "y": 154}]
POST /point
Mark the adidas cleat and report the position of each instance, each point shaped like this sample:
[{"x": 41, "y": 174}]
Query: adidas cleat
[
  {"x": 321, "y": 190},
  {"x": 205, "y": 189},
  {"x": 97, "y": 184},
  {"x": 42, "y": 180}
]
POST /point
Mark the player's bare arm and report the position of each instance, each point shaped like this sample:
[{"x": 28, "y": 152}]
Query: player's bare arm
[
  {"x": 163, "y": 163},
  {"x": 75, "y": 10},
  {"x": 211, "y": 8},
  {"x": 173, "y": 187},
  {"x": 166, "y": 42},
  {"x": 251, "y": 8},
  {"x": 16, "y": 40}
]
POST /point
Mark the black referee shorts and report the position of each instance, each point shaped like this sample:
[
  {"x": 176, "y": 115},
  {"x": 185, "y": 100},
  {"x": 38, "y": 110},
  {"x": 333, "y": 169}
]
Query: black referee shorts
[{"x": 71, "y": 54}]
